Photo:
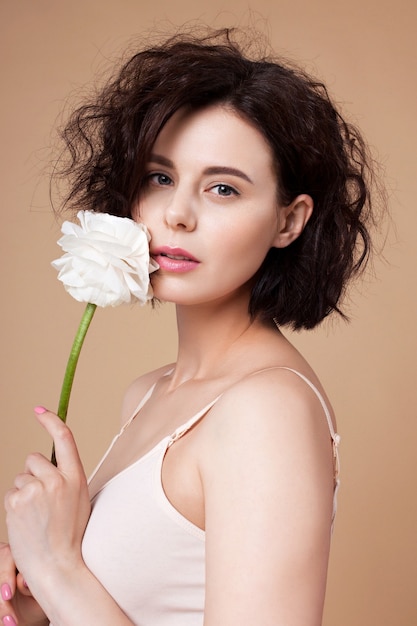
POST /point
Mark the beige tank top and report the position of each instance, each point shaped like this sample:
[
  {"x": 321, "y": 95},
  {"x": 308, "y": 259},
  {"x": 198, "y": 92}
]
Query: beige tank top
[{"x": 148, "y": 556}]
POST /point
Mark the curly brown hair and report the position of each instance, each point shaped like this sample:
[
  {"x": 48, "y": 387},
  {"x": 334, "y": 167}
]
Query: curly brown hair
[{"x": 316, "y": 152}]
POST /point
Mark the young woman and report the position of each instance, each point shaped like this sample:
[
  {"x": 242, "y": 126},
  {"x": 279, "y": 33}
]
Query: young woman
[{"x": 215, "y": 503}]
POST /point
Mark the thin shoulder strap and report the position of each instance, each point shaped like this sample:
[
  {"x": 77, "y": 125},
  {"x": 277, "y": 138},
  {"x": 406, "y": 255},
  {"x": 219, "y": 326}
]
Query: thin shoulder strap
[
  {"x": 333, "y": 434},
  {"x": 142, "y": 402},
  {"x": 182, "y": 430}
]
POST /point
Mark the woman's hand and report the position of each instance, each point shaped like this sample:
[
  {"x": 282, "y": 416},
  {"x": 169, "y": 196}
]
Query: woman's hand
[
  {"x": 47, "y": 512},
  {"x": 48, "y": 508},
  {"x": 17, "y": 605}
]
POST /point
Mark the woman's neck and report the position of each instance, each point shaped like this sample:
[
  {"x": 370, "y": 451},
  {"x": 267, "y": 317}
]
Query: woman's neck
[{"x": 211, "y": 338}]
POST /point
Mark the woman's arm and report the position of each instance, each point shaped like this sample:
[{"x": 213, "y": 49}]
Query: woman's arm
[
  {"x": 267, "y": 476},
  {"x": 47, "y": 512}
]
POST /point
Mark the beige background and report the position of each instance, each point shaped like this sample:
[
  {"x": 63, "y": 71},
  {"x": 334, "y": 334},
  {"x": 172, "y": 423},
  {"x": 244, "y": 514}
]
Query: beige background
[{"x": 366, "y": 52}]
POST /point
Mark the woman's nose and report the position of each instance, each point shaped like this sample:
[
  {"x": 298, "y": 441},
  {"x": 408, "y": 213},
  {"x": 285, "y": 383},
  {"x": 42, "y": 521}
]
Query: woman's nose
[{"x": 180, "y": 213}]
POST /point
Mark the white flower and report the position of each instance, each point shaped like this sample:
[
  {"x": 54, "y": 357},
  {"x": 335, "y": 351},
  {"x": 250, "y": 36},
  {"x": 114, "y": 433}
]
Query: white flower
[{"x": 107, "y": 260}]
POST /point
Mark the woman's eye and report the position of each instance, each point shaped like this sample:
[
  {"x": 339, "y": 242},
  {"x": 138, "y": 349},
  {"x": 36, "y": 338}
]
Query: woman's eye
[
  {"x": 225, "y": 190},
  {"x": 159, "y": 179}
]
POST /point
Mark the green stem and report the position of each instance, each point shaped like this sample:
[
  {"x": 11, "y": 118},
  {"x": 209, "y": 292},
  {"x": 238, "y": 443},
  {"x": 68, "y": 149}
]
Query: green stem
[{"x": 72, "y": 364}]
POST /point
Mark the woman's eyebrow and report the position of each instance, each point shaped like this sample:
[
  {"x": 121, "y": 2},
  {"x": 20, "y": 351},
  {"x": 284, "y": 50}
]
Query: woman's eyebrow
[
  {"x": 161, "y": 160},
  {"x": 223, "y": 169},
  {"x": 214, "y": 169}
]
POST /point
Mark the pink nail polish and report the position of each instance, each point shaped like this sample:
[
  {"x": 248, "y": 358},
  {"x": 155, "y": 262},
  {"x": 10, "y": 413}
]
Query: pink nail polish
[
  {"x": 8, "y": 620},
  {"x": 6, "y": 592},
  {"x": 39, "y": 410}
]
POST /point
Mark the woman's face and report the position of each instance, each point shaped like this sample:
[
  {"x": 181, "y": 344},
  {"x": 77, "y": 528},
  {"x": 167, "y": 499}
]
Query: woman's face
[{"x": 210, "y": 204}]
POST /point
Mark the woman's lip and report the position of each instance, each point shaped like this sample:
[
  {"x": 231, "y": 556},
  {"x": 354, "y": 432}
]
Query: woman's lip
[
  {"x": 174, "y": 260},
  {"x": 173, "y": 253},
  {"x": 174, "y": 264}
]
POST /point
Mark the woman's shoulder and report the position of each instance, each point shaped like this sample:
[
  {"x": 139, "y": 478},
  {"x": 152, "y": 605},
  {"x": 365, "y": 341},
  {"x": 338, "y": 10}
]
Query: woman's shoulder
[
  {"x": 138, "y": 388},
  {"x": 278, "y": 404},
  {"x": 279, "y": 374},
  {"x": 276, "y": 391}
]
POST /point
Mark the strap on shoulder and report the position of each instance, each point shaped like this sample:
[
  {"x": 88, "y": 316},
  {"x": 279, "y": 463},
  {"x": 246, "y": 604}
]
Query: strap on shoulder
[
  {"x": 334, "y": 435},
  {"x": 182, "y": 430},
  {"x": 143, "y": 401}
]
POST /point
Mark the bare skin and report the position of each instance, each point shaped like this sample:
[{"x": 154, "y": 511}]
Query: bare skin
[{"x": 264, "y": 496}]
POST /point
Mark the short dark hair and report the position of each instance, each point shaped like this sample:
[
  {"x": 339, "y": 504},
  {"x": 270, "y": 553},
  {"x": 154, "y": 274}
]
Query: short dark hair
[{"x": 316, "y": 152}]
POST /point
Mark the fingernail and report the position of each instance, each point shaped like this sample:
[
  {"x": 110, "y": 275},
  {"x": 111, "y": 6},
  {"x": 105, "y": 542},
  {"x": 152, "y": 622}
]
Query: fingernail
[
  {"x": 6, "y": 592},
  {"x": 39, "y": 410},
  {"x": 8, "y": 620}
]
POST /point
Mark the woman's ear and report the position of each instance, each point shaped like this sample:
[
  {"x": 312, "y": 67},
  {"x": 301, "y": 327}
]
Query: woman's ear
[{"x": 292, "y": 220}]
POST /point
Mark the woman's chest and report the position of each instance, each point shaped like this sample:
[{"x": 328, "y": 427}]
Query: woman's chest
[
  {"x": 149, "y": 557},
  {"x": 178, "y": 474}
]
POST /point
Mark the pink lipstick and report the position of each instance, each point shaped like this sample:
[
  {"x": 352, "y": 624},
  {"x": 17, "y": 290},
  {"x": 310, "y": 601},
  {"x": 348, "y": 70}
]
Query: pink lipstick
[{"x": 174, "y": 259}]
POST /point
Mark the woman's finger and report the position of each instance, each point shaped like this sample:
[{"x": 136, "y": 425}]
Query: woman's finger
[
  {"x": 7, "y": 585},
  {"x": 67, "y": 456},
  {"x": 22, "y": 480},
  {"x": 36, "y": 465},
  {"x": 22, "y": 586},
  {"x": 7, "y": 572}
]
